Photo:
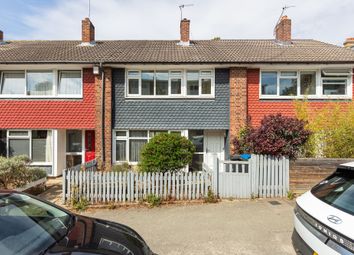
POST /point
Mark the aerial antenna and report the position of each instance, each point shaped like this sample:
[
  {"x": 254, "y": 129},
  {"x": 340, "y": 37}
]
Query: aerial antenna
[
  {"x": 183, "y": 6},
  {"x": 281, "y": 15}
]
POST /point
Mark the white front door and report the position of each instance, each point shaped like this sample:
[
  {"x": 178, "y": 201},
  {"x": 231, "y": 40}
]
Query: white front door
[{"x": 214, "y": 143}]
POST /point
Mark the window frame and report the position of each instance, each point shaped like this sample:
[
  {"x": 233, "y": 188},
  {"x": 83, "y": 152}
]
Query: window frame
[
  {"x": 56, "y": 77},
  {"x": 29, "y": 137},
  {"x": 172, "y": 75},
  {"x": 319, "y": 85}
]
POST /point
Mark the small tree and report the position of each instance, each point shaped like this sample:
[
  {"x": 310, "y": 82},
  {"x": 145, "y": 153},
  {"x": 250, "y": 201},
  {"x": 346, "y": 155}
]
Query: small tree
[
  {"x": 277, "y": 135},
  {"x": 166, "y": 152}
]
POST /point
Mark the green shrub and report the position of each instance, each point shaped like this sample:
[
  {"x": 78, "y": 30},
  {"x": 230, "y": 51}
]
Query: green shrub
[
  {"x": 37, "y": 173},
  {"x": 153, "y": 200},
  {"x": 124, "y": 167},
  {"x": 332, "y": 129},
  {"x": 80, "y": 205},
  {"x": 211, "y": 197},
  {"x": 14, "y": 171},
  {"x": 166, "y": 152}
]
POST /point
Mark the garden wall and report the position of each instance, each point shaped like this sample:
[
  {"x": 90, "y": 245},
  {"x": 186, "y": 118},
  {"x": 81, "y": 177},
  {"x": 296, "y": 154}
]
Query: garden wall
[{"x": 306, "y": 172}]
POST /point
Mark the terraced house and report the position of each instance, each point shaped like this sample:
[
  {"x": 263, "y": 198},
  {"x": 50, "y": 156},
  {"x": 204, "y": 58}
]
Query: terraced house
[{"x": 66, "y": 102}]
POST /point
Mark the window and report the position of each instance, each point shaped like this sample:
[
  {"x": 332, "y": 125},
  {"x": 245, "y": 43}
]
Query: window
[
  {"x": 269, "y": 83},
  {"x": 42, "y": 145},
  {"x": 163, "y": 83},
  {"x": 308, "y": 83},
  {"x": 33, "y": 83},
  {"x": 197, "y": 138},
  {"x": 73, "y": 148},
  {"x": 13, "y": 83},
  {"x": 334, "y": 82},
  {"x": 19, "y": 143},
  {"x": 128, "y": 144},
  {"x": 3, "y": 150},
  {"x": 288, "y": 84},
  {"x": 40, "y": 83},
  {"x": 70, "y": 83}
]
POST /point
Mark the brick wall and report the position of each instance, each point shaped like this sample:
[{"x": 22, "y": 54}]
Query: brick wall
[
  {"x": 52, "y": 113},
  {"x": 238, "y": 102},
  {"x": 258, "y": 108},
  {"x": 107, "y": 118},
  {"x": 306, "y": 173}
]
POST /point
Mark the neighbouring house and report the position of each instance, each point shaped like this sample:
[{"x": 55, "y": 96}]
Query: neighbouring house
[{"x": 66, "y": 102}]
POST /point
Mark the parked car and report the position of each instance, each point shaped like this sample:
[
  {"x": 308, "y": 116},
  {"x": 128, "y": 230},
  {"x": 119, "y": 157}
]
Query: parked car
[
  {"x": 324, "y": 216},
  {"x": 30, "y": 225}
]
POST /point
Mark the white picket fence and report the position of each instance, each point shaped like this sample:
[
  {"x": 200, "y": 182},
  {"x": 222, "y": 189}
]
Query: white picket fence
[
  {"x": 98, "y": 186},
  {"x": 261, "y": 176}
]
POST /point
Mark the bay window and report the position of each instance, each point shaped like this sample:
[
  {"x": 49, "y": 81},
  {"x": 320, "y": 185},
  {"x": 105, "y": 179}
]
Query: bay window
[
  {"x": 312, "y": 84},
  {"x": 174, "y": 83},
  {"x": 44, "y": 83}
]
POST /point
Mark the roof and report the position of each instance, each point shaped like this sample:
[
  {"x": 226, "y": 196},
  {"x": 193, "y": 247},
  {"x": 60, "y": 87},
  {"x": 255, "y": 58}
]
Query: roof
[{"x": 169, "y": 52}]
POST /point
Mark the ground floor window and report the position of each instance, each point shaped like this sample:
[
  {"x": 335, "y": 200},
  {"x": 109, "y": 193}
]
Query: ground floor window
[
  {"x": 73, "y": 148},
  {"x": 35, "y": 144},
  {"x": 129, "y": 143}
]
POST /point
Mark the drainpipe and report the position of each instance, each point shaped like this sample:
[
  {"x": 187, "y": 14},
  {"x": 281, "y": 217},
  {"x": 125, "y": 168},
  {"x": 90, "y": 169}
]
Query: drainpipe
[{"x": 102, "y": 114}]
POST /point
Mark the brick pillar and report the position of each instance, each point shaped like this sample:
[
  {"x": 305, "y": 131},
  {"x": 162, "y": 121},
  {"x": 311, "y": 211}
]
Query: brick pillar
[
  {"x": 238, "y": 102},
  {"x": 87, "y": 31},
  {"x": 283, "y": 30},
  {"x": 107, "y": 119}
]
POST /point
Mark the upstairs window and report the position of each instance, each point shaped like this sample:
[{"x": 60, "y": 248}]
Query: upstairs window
[
  {"x": 13, "y": 83},
  {"x": 34, "y": 83},
  {"x": 311, "y": 84},
  {"x": 174, "y": 83}
]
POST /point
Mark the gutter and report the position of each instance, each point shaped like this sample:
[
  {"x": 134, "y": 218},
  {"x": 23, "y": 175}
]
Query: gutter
[{"x": 102, "y": 114}]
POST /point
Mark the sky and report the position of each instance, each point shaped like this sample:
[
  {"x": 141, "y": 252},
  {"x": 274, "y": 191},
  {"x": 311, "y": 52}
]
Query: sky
[{"x": 325, "y": 20}]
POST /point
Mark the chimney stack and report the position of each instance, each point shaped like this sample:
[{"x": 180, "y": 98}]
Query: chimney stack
[
  {"x": 283, "y": 30},
  {"x": 1, "y": 37},
  {"x": 184, "y": 30},
  {"x": 349, "y": 43},
  {"x": 88, "y": 32}
]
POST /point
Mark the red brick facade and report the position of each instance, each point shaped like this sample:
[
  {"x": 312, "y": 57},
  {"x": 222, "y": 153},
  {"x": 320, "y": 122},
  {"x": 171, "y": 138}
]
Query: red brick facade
[
  {"x": 107, "y": 118},
  {"x": 238, "y": 101},
  {"x": 51, "y": 113},
  {"x": 257, "y": 108}
]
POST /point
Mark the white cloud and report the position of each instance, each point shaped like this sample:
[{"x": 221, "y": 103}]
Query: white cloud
[{"x": 325, "y": 20}]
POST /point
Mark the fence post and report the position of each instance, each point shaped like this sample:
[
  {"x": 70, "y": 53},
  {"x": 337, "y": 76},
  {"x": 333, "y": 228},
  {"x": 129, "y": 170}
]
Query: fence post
[
  {"x": 216, "y": 168},
  {"x": 64, "y": 187}
]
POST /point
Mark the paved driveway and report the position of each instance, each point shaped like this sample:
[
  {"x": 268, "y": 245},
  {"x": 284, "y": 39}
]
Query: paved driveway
[{"x": 229, "y": 227}]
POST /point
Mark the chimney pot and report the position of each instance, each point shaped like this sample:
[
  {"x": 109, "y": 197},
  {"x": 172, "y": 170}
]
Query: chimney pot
[
  {"x": 185, "y": 30},
  {"x": 349, "y": 43},
  {"x": 283, "y": 30},
  {"x": 88, "y": 32}
]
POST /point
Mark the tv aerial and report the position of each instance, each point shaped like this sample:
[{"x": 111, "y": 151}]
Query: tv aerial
[{"x": 182, "y": 6}]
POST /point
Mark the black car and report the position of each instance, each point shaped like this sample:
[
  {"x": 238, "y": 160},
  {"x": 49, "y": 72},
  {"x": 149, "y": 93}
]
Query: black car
[{"x": 29, "y": 225}]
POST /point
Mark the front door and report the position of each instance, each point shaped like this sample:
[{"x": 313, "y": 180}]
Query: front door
[
  {"x": 214, "y": 143},
  {"x": 89, "y": 145}
]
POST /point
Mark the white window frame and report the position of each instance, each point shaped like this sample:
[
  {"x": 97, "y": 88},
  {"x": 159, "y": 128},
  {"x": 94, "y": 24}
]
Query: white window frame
[
  {"x": 55, "y": 84},
  {"x": 182, "y": 76},
  {"x": 29, "y": 136},
  {"x": 127, "y": 138},
  {"x": 319, "y": 86}
]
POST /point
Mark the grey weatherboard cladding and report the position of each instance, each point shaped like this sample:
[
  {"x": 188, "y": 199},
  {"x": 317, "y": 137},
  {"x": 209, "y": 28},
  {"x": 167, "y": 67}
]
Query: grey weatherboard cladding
[{"x": 171, "y": 113}]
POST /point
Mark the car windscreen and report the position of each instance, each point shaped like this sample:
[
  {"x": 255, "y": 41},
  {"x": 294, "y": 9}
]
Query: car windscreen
[
  {"x": 29, "y": 226},
  {"x": 337, "y": 190}
]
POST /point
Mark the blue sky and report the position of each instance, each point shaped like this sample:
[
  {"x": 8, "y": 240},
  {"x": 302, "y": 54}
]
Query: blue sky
[{"x": 326, "y": 20}]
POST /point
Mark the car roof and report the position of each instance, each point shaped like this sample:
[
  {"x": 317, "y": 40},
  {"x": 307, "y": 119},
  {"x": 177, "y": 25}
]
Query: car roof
[{"x": 349, "y": 165}]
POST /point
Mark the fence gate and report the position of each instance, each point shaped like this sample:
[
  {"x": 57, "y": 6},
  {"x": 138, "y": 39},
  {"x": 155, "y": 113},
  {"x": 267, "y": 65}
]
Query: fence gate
[{"x": 261, "y": 176}]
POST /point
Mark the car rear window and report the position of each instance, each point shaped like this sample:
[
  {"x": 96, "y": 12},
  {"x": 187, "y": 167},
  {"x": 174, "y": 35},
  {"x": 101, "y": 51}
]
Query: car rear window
[{"x": 337, "y": 190}]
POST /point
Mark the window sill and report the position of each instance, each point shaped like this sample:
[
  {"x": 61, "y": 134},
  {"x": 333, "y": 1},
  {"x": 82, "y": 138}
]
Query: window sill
[
  {"x": 41, "y": 97},
  {"x": 170, "y": 97},
  {"x": 41, "y": 164},
  {"x": 305, "y": 97}
]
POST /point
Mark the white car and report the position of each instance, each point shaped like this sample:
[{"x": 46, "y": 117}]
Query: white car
[{"x": 324, "y": 216}]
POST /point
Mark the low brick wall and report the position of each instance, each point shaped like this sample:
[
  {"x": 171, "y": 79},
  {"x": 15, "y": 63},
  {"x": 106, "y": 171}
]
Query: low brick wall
[{"x": 305, "y": 173}]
